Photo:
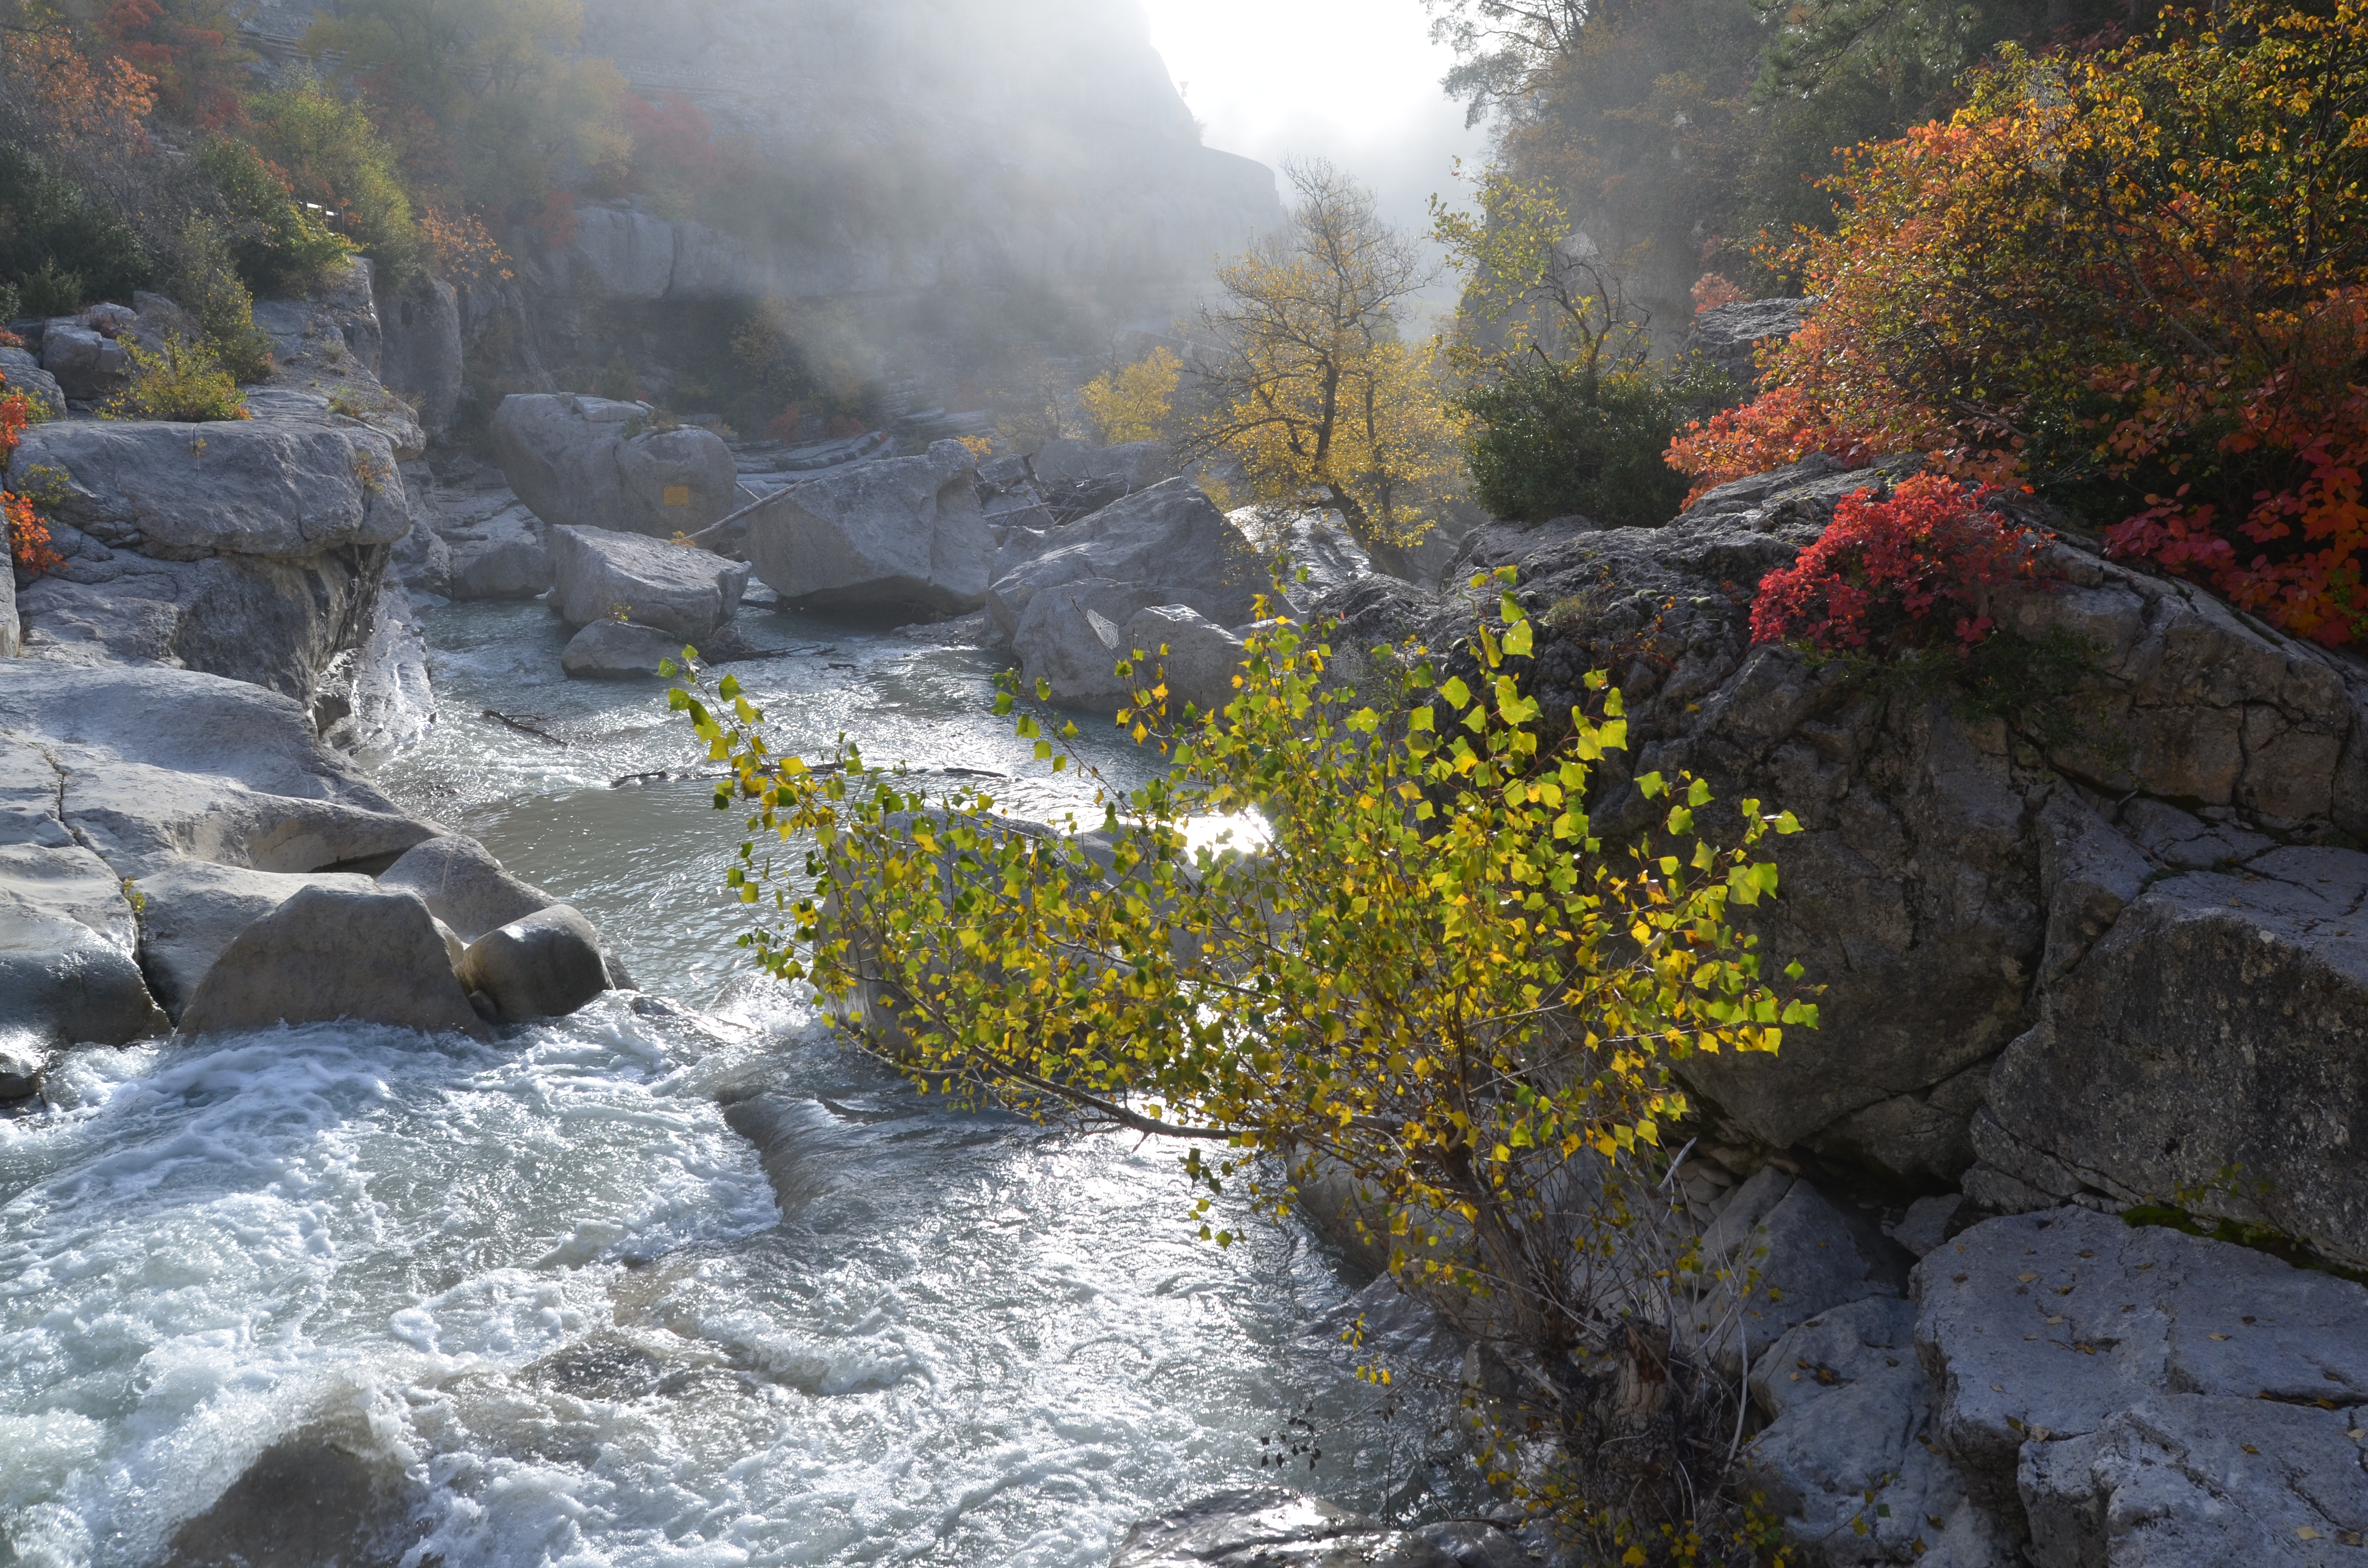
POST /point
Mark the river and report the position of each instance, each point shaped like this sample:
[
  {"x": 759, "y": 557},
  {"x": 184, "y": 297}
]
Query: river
[{"x": 541, "y": 1303}]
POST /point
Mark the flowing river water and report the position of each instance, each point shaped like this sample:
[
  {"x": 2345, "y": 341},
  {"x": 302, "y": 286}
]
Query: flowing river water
[{"x": 655, "y": 1284}]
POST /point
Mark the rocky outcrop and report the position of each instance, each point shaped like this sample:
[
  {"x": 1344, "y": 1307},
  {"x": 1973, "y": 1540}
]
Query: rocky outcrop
[
  {"x": 152, "y": 818},
  {"x": 86, "y": 364},
  {"x": 588, "y": 462},
  {"x": 12, "y": 627},
  {"x": 1960, "y": 882},
  {"x": 1167, "y": 545},
  {"x": 328, "y": 955},
  {"x": 1732, "y": 336},
  {"x": 20, "y": 373},
  {"x": 251, "y": 550},
  {"x": 905, "y": 535},
  {"x": 1193, "y": 657},
  {"x": 679, "y": 590},
  {"x": 502, "y": 556},
  {"x": 420, "y": 355}
]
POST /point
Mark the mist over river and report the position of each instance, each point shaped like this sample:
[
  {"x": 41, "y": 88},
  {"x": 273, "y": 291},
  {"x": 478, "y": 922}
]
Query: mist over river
[{"x": 662, "y": 1282}]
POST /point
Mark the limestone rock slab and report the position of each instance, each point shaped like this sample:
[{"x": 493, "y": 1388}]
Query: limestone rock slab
[
  {"x": 902, "y": 534},
  {"x": 679, "y": 590},
  {"x": 586, "y": 461},
  {"x": 1169, "y": 541},
  {"x": 328, "y": 955}
]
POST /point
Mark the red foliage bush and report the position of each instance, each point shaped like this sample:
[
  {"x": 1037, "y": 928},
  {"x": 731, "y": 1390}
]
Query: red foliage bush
[
  {"x": 1906, "y": 571},
  {"x": 29, "y": 537},
  {"x": 1711, "y": 291}
]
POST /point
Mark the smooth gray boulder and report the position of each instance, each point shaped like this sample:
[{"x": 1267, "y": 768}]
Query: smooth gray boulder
[
  {"x": 2200, "y": 1481},
  {"x": 618, "y": 650},
  {"x": 421, "y": 560},
  {"x": 22, "y": 1068},
  {"x": 463, "y": 885},
  {"x": 903, "y": 535},
  {"x": 543, "y": 966},
  {"x": 1169, "y": 542},
  {"x": 88, "y": 364},
  {"x": 588, "y": 462},
  {"x": 502, "y": 557},
  {"x": 1200, "y": 660},
  {"x": 681, "y": 589},
  {"x": 12, "y": 628},
  {"x": 1809, "y": 1256},
  {"x": 2220, "y": 1025},
  {"x": 21, "y": 373},
  {"x": 1314, "y": 552},
  {"x": 1072, "y": 637},
  {"x": 158, "y": 765},
  {"x": 1849, "y": 1415},
  {"x": 2041, "y": 1327},
  {"x": 328, "y": 955},
  {"x": 189, "y": 491},
  {"x": 192, "y": 911}
]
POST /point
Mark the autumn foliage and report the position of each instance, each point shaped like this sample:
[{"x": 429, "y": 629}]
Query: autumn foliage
[
  {"x": 1916, "y": 570},
  {"x": 29, "y": 537},
  {"x": 2138, "y": 279}
]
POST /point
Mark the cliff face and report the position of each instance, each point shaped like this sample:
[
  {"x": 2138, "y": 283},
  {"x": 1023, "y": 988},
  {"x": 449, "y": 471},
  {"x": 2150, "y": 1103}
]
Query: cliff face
[{"x": 942, "y": 144}]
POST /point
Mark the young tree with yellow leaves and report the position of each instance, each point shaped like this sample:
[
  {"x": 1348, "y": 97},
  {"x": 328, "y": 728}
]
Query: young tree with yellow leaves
[
  {"x": 1134, "y": 403},
  {"x": 1303, "y": 376}
]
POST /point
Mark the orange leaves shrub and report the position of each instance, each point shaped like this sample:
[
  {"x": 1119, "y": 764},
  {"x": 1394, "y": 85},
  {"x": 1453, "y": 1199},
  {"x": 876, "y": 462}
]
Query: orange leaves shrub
[
  {"x": 1711, "y": 291},
  {"x": 29, "y": 536},
  {"x": 2139, "y": 278}
]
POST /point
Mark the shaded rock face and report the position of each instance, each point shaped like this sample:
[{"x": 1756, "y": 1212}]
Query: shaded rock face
[
  {"x": 683, "y": 590},
  {"x": 86, "y": 364},
  {"x": 1958, "y": 887},
  {"x": 12, "y": 627},
  {"x": 1731, "y": 335},
  {"x": 23, "y": 373},
  {"x": 906, "y": 535},
  {"x": 420, "y": 356},
  {"x": 1168, "y": 544},
  {"x": 583, "y": 460},
  {"x": 463, "y": 885}
]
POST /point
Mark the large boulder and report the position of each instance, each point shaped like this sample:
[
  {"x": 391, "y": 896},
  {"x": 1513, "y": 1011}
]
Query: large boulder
[
  {"x": 543, "y": 966},
  {"x": 191, "y": 911},
  {"x": 681, "y": 589},
  {"x": 502, "y": 557},
  {"x": 2047, "y": 1327},
  {"x": 328, "y": 955},
  {"x": 463, "y": 885},
  {"x": 627, "y": 251},
  {"x": 1195, "y": 658},
  {"x": 618, "y": 650},
  {"x": 1169, "y": 542},
  {"x": 69, "y": 933},
  {"x": 21, "y": 373},
  {"x": 589, "y": 462},
  {"x": 1134, "y": 465},
  {"x": 191, "y": 492},
  {"x": 88, "y": 364},
  {"x": 903, "y": 535},
  {"x": 2213, "y": 1042}
]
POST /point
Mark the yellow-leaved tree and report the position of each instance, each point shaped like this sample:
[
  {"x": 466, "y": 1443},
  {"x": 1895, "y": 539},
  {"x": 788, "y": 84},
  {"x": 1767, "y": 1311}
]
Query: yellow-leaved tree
[
  {"x": 1134, "y": 403},
  {"x": 1423, "y": 983},
  {"x": 1303, "y": 377}
]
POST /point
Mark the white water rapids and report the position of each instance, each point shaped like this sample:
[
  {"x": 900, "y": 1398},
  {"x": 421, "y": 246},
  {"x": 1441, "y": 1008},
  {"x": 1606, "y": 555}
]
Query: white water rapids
[{"x": 653, "y": 1285}]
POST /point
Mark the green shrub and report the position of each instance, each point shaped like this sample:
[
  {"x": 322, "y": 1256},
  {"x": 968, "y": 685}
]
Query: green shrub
[
  {"x": 185, "y": 383},
  {"x": 54, "y": 291},
  {"x": 49, "y": 230},
  {"x": 1547, "y": 440},
  {"x": 279, "y": 245},
  {"x": 204, "y": 278},
  {"x": 333, "y": 155}
]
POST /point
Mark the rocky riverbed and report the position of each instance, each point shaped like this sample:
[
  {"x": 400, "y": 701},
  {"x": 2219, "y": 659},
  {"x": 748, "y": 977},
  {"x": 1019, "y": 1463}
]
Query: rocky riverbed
[{"x": 539, "y": 1231}]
